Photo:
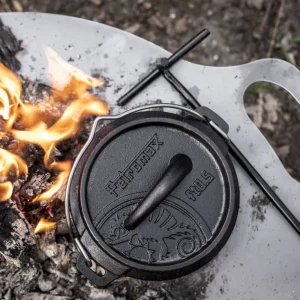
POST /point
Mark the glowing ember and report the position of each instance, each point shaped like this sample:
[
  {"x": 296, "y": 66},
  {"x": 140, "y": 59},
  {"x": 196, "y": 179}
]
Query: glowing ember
[
  {"x": 44, "y": 225},
  {"x": 39, "y": 126}
]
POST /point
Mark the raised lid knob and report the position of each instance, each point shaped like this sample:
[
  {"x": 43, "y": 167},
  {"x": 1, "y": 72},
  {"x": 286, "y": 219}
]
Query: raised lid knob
[{"x": 179, "y": 166}]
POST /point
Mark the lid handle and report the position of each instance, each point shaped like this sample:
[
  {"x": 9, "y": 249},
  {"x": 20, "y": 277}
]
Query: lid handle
[
  {"x": 179, "y": 166},
  {"x": 99, "y": 280}
]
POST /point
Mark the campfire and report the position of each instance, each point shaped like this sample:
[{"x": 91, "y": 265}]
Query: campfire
[{"x": 44, "y": 125}]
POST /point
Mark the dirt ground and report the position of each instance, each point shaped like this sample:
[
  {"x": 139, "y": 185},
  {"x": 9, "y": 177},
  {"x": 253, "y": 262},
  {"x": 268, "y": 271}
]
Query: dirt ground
[{"x": 241, "y": 31}]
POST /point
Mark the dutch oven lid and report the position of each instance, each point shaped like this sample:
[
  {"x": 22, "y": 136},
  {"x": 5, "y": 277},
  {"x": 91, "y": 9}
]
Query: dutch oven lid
[{"x": 191, "y": 221}]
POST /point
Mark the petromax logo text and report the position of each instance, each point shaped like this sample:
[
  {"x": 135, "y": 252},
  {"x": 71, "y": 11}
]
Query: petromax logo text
[{"x": 127, "y": 175}]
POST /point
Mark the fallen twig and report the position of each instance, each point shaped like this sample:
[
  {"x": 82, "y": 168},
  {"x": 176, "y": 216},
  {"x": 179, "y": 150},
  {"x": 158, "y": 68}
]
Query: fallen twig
[{"x": 275, "y": 30}]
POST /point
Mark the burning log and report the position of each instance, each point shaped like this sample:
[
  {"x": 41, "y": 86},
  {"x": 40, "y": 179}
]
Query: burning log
[{"x": 43, "y": 128}]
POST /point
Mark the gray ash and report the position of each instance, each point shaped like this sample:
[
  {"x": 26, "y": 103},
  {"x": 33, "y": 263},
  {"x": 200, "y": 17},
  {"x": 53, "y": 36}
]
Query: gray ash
[
  {"x": 259, "y": 204},
  {"x": 16, "y": 240},
  {"x": 34, "y": 92}
]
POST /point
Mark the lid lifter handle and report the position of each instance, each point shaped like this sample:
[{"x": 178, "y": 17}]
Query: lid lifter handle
[{"x": 179, "y": 166}]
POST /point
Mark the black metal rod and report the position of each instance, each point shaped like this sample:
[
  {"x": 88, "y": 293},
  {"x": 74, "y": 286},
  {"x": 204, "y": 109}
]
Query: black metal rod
[
  {"x": 242, "y": 160},
  {"x": 180, "y": 165},
  {"x": 237, "y": 154},
  {"x": 171, "y": 60},
  {"x": 179, "y": 87}
]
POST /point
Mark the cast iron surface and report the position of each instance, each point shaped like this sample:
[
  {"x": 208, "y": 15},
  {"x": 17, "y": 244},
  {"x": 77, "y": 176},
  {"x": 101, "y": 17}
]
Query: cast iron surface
[
  {"x": 261, "y": 259},
  {"x": 189, "y": 227}
]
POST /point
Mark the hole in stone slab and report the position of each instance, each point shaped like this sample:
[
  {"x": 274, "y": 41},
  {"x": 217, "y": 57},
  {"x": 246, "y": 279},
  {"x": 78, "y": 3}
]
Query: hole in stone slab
[{"x": 276, "y": 113}]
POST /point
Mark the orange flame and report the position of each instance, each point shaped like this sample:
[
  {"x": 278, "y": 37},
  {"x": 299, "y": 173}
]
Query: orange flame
[
  {"x": 9, "y": 162},
  {"x": 10, "y": 93},
  {"x": 68, "y": 79},
  {"x": 44, "y": 225},
  {"x": 71, "y": 89}
]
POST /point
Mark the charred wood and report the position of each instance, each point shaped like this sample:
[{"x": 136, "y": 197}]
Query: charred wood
[{"x": 9, "y": 47}]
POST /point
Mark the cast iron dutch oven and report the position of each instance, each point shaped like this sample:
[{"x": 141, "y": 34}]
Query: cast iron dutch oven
[{"x": 153, "y": 195}]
